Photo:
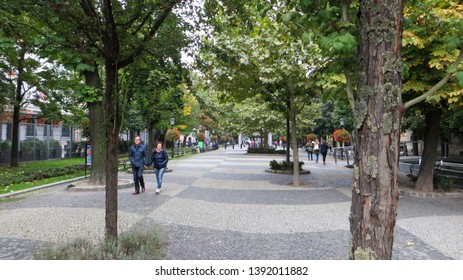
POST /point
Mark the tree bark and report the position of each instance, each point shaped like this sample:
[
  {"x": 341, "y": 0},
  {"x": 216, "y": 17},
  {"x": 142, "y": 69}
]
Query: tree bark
[
  {"x": 14, "y": 160},
  {"x": 288, "y": 137},
  {"x": 288, "y": 130},
  {"x": 114, "y": 61},
  {"x": 425, "y": 182},
  {"x": 112, "y": 116},
  {"x": 112, "y": 124},
  {"x": 292, "y": 113},
  {"x": 97, "y": 131},
  {"x": 378, "y": 112}
]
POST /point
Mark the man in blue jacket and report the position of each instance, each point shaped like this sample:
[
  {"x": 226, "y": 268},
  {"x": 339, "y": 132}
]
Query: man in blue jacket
[{"x": 137, "y": 156}]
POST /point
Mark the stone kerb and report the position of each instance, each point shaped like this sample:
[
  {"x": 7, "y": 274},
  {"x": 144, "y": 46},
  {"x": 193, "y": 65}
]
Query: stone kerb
[
  {"x": 301, "y": 172},
  {"x": 85, "y": 186},
  {"x": 435, "y": 194}
]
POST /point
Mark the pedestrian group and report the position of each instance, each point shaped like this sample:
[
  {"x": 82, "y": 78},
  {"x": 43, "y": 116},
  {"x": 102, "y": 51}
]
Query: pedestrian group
[
  {"x": 314, "y": 149},
  {"x": 139, "y": 159}
]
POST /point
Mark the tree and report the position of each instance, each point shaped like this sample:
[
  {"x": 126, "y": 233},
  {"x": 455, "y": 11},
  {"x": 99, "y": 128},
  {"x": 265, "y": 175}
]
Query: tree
[
  {"x": 121, "y": 44},
  {"x": 24, "y": 69},
  {"x": 266, "y": 57},
  {"x": 155, "y": 84},
  {"x": 377, "y": 108},
  {"x": 378, "y": 111},
  {"x": 431, "y": 45},
  {"x": 59, "y": 38},
  {"x": 113, "y": 34}
]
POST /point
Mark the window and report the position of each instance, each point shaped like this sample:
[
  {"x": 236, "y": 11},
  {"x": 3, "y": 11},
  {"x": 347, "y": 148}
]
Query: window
[
  {"x": 65, "y": 132},
  {"x": 30, "y": 128},
  {"x": 47, "y": 127},
  {"x": 9, "y": 131}
]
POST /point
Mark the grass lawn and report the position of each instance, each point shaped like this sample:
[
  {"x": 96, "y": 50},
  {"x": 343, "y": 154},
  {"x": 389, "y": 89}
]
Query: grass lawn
[
  {"x": 40, "y": 165},
  {"x": 36, "y": 166}
]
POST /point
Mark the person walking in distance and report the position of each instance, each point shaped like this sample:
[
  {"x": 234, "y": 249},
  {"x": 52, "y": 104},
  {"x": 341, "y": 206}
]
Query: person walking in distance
[
  {"x": 316, "y": 150},
  {"x": 309, "y": 149},
  {"x": 160, "y": 158},
  {"x": 324, "y": 150},
  {"x": 137, "y": 157}
]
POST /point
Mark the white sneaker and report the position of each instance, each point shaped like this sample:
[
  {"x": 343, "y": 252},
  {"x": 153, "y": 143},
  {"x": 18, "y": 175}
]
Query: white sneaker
[{"x": 158, "y": 191}]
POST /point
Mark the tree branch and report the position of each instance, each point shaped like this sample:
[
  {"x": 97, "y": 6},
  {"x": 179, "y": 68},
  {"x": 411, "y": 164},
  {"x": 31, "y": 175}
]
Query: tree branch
[
  {"x": 350, "y": 93},
  {"x": 439, "y": 85},
  {"x": 154, "y": 28}
]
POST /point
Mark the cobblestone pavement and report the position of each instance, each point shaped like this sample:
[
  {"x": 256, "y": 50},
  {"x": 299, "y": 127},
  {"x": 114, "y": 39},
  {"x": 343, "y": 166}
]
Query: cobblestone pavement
[{"x": 222, "y": 205}]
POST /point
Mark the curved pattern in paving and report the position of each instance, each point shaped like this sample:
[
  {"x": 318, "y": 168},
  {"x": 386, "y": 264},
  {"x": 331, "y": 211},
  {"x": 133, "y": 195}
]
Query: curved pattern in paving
[
  {"x": 53, "y": 224},
  {"x": 446, "y": 233},
  {"x": 222, "y": 205},
  {"x": 251, "y": 218}
]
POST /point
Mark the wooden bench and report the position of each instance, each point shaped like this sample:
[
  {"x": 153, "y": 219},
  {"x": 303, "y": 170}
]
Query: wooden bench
[{"x": 124, "y": 163}]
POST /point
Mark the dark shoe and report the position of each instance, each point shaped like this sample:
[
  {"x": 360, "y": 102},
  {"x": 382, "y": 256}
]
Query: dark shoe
[
  {"x": 142, "y": 189},
  {"x": 135, "y": 193}
]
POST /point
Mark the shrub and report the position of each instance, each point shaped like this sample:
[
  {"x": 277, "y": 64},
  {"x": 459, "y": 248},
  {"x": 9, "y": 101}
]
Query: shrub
[
  {"x": 54, "y": 144},
  {"x": 310, "y": 137},
  {"x": 5, "y": 145},
  {"x": 443, "y": 183},
  {"x": 201, "y": 137},
  {"x": 341, "y": 135},
  {"x": 173, "y": 133},
  {"x": 134, "y": 245},
  {"x": 265, "y": 151},
  {"x": 37, "y": 175},
  {"x": 283, "y": 165}
]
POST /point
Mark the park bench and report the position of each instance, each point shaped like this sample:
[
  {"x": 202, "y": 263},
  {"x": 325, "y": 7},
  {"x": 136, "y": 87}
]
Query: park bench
[
  {"x": 124, "y": 163},
  {"x": 450, "y": 170}
]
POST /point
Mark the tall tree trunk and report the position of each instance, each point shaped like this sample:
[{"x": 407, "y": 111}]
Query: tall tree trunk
[
  {"x": 112, "y": 126},
  {"x": 292, "y": 113},
  {"x": 378, "y": 111},
  {"x": 424, "y": 182},
  {"x": 288, "y": 129},
  {"x": 288, "y": 137},
  {"x": 265, "y": 139},
  {"x": 97, "y": 131},
  {"x": 14, "y": 160},
  {"x": 112, "y": 114},
  {"x": 114, "y": 62}
]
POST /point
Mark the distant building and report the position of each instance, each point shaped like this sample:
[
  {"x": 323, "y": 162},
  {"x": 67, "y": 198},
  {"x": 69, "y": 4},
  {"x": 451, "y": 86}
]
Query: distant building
[
  {"x": 451, "y": 149},
  {"x": 39, "y": 138}
]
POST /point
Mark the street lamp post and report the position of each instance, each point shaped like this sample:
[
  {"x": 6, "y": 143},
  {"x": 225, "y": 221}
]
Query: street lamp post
[{"x": 172, "y": 122}]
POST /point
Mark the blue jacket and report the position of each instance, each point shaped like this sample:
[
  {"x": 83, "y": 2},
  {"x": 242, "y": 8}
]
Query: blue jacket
[
  {"x": 324, "y": 148},
  {"x": 137, "y": 155},
  {"x": 159, "y": 159}
]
